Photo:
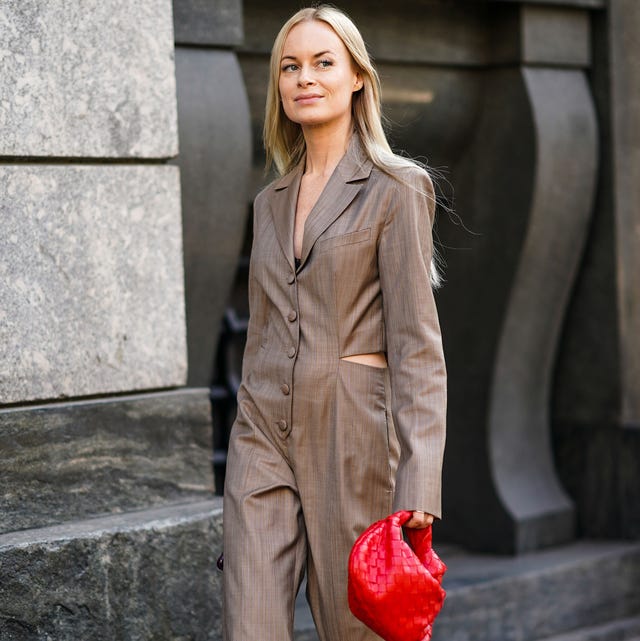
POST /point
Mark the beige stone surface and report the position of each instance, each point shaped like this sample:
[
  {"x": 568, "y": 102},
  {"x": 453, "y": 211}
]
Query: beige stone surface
[
  {"x": 91, "y": 281},
  {"x": 87, "y": 79}
]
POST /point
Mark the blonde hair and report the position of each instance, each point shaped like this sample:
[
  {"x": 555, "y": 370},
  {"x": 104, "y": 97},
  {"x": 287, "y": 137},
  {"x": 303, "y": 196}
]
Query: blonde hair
[{"x": 283, "y": 139}]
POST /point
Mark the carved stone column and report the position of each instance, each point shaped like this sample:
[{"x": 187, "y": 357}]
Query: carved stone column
[
  {"x": 596, "y": 404},
  {"x": 524, "y": 190},
  {"x": 215, "y": 164}
]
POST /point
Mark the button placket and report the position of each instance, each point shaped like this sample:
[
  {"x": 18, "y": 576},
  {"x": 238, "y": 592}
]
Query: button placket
[{"x": 284, "y": 426}]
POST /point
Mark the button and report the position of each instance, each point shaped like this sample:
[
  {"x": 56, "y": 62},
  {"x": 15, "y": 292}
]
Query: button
[
  {"x": 292, "y": 315},
  {"x": 292, "y": 352},
  {"x": 284, "y": 388},
  {"x": 291, "y": 278},
  {"x": 282, "y": 425}
]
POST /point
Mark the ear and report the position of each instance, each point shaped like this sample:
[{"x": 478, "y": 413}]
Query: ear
[{"x": 358, "y": 82}]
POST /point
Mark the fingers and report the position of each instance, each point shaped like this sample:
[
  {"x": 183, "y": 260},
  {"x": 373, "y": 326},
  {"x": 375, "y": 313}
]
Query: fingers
[{"x": 419, "y": 520}]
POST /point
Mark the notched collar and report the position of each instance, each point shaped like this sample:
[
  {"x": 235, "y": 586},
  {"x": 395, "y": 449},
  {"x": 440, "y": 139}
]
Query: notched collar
[
  {"x": 353, "y": 166},
  {"x": 342, "y": 187}
]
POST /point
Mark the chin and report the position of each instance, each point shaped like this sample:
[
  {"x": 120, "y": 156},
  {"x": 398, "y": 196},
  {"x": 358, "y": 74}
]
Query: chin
[{"x": 309, "y": 118}]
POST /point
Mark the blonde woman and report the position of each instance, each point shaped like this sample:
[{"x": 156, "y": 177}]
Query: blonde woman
[{"x": 341, "y": 411}]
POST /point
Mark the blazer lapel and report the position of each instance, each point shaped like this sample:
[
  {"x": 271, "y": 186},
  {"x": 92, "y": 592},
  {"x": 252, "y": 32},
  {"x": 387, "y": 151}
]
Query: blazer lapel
[
  {"x": 283, "y": 209},
  {"x": 343, "y": 186}
]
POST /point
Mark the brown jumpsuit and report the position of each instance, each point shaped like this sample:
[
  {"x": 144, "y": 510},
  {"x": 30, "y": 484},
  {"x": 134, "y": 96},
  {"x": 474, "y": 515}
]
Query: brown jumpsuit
[{"x": 321, "y": 446}]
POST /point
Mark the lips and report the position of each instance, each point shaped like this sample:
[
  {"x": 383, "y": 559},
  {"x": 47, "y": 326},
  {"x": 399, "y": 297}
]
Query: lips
[{"x": 308, "y": 98}]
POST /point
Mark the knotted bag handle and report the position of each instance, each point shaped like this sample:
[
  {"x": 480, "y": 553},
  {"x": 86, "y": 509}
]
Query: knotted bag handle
[{"x": 420, "y": 541}]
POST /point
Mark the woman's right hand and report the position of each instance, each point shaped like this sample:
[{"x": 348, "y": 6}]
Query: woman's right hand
[{"x": 419, "y": 520}]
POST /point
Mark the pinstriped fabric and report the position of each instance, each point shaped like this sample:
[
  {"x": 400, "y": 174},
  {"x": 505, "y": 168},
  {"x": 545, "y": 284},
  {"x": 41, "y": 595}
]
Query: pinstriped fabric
[{"x": 323, "y": 447}]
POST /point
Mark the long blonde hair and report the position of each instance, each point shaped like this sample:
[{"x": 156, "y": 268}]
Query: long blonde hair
[{"x": 283, "y": 139}]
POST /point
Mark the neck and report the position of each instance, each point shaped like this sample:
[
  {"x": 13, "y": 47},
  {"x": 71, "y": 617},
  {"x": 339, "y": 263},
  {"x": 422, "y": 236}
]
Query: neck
[{"x": 326, "y": 148}]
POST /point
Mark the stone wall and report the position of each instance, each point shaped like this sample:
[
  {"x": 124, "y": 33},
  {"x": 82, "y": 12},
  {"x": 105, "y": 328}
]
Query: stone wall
[
  {"x": 106, "y": 487},
  {"x": 91, "y": 250}
]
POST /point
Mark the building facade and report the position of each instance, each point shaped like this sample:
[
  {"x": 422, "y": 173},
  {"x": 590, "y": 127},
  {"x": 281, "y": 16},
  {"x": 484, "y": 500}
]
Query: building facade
[{"x": 130, "y": 152}]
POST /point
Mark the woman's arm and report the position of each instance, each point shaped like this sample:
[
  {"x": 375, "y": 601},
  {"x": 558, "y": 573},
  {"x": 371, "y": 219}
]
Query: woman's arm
[{"x": 414, "y": 345}]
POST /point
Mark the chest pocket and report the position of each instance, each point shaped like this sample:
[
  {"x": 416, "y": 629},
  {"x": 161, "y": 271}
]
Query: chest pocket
[{"x": 351, "y": 238}]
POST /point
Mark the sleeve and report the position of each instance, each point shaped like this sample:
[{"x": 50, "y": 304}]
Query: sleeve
[
  {"x": 414, "y": 344},
  {"x": 255, "y": 295}
]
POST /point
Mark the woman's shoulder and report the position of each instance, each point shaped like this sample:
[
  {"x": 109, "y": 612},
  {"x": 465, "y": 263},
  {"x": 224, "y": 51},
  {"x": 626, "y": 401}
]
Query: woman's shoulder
[
  {"x": 263, "y": 192},
  {"x": 277, "y": 183},
  {"x": 410, "y": 184},
  {"x": 405, "y": 179},
  {"x": 409, "y": 174}
]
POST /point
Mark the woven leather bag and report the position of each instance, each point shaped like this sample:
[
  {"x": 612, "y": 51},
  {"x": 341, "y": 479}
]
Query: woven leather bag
[{"x": 395, "y": 588}]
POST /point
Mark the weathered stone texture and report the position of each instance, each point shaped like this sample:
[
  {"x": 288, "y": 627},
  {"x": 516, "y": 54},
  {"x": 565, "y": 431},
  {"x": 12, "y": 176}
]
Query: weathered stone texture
[
  {"x": 208, "y": 22},
  {"x": 91, "y": 281},
  {"x": 74, "y": 460},
  {"x": 90, "y": 79},
  {"x": 144, "y": 575}
]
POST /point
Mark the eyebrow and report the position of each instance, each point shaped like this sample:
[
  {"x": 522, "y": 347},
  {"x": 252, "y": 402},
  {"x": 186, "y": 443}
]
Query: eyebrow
[{"x": 317, "y": 55}]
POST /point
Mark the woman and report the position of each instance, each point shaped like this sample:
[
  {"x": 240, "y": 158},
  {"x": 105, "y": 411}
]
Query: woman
[{"x": 343, "y": 347}]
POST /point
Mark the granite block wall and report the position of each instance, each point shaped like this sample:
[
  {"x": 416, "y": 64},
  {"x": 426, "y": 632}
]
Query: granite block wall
[
  {"x": 92, "y": 79},
  {"x": 92, "y": 280},
  {"x": 91, "y": 257},
  {"x": 106, "y": 488}
]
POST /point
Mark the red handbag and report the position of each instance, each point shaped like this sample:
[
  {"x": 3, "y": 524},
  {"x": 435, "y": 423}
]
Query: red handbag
[{"x": 395, "y": 588}]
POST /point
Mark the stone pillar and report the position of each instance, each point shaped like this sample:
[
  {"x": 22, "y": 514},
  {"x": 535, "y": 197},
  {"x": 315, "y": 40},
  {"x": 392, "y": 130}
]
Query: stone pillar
[
  {"x": 525, "y": 191},
  {"x": 215, "y": 163},
  {"x": 624, "y": 39},
  {"x": 597, "y": 392},
  {"x": 105, "y": 471}
]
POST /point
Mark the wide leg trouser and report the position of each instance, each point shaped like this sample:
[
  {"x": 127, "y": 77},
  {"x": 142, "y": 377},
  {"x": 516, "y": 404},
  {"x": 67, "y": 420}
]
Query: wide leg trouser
[{"x": 301, "y": 502}]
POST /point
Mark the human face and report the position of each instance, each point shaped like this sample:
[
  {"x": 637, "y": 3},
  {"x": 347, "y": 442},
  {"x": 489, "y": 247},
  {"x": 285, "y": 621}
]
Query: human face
[{"x": 317, "y": 76}]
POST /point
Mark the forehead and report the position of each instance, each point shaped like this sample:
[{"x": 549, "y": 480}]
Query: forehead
[{"x": 312, "y": 36}]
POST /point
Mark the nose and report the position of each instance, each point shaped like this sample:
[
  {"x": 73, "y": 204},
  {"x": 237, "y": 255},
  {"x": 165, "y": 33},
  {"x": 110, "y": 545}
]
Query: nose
[{"x": 305, "y": 77}]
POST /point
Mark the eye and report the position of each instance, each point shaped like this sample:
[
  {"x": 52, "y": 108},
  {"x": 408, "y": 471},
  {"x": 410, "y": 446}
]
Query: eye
[
  {"x": 325, "y": 63},
  {"x": 290, "y": 67}
]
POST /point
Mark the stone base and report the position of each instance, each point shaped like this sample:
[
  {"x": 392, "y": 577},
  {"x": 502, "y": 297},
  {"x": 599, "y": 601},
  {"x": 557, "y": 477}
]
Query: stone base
[
  {"x": 621, "y": 630},
  {"x": 137, "y": 576},
  {"x": 152, "y": 575},
  {"x": 540, "y": 594},
  {"x": 73, "y": 461},
  {"x": 585, "y": 586}
]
